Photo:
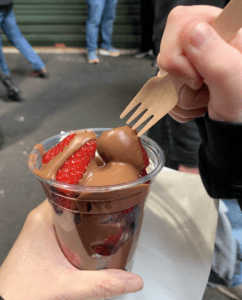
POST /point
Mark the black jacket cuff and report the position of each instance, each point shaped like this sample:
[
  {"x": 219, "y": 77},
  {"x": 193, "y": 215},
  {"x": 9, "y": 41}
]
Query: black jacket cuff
[{"x": 220, "y": 157}]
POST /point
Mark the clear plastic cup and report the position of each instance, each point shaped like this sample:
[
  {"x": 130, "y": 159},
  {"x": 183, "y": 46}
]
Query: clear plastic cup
[{"x": 98, "y": 227}]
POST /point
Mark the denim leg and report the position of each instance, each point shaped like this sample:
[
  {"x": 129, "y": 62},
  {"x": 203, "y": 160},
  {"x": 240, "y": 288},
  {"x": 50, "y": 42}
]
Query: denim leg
[
  {"x": 13, "y": 33},
  {"x": 95, "y": 11},
  {"x": 3, "y": 64},
  {"x": 108, "y": 18},
  {"x": 235, "y": 217}
]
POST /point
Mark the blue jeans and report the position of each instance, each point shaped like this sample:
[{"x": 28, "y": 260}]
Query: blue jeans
[
  {"x": 10, "y": 27},
  {"x": 101, "y": 15},
  {"x": 235, "y": 217}
]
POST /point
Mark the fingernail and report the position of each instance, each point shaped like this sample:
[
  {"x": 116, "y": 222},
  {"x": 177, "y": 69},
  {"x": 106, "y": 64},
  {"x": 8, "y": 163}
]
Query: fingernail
[{"x": 200, "y": 33}]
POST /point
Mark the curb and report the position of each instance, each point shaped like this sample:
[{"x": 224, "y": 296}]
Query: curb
[{"x": 62, "y": 50}]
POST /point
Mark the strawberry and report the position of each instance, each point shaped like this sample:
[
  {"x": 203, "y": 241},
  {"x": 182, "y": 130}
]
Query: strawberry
[
  {"x": 145, "y": 155},
  {"x": 110, "y": 245},
  {"x": 75, "y": 166},
  {"x": 57, "y": 148},
  {"x": 145, "y": 159},
  {"x": 72, "y": 170}
]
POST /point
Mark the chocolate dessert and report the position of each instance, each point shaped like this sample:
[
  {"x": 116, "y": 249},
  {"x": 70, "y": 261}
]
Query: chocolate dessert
[{"x": 97, "y": 187}]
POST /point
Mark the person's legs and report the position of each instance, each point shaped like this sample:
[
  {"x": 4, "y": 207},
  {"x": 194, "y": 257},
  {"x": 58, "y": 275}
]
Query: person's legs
[
  {"x": 3, "y": 64},
  {"x": 95, "y": 11},
  {"x": 235, "y": 217},
  {"x": 108, "y": 18},
  {"x": 13, "y": 33}
]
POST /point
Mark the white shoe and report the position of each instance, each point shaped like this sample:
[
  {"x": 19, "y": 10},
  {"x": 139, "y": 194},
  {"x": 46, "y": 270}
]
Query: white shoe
[
  {"x": 111, "y": 52},
  {"x": 92, "y": 58}
]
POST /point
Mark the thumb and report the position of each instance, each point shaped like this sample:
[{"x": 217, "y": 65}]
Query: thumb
[
  {"x": 214, "y": 59},
  {"x": 102, "y": 284}
]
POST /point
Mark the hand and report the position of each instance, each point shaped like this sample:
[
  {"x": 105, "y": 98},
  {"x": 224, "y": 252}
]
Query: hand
[
  {"x": 37, "y": 269},
  {"x": 211, "y": 69}
]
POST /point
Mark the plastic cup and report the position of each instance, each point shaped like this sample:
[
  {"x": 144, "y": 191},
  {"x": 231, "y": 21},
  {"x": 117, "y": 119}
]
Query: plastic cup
[{"x": 98, "y": 227}]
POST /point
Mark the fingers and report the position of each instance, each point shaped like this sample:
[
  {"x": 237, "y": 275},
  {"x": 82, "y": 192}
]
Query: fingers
[
  {"x": 40, "y": 216},
  {"x": 236, "y": 40},
  {"x": 194, "y": 53},
  {"x": 102, "y": 284},
  {"x": 220, "y": 64},
  {"x": 191, "y": 104},
  {"x": 171, "y": 56},
  {"x": 212, "y": 57}
]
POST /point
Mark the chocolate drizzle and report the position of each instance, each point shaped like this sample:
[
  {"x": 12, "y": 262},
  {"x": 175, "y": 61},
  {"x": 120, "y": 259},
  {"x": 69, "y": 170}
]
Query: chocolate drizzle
[{"x": 48, "y": 171}]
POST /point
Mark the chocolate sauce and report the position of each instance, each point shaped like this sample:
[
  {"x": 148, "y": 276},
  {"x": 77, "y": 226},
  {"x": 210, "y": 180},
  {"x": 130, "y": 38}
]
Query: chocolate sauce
[{"x": 48, "y": 171}]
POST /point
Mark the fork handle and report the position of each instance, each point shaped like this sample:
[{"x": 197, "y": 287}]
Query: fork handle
[{"x": 229, "y": 21}]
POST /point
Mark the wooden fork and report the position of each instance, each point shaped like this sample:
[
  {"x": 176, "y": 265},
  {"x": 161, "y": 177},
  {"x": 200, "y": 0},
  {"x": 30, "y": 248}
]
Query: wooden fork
[{"x": 159, "y": 95}]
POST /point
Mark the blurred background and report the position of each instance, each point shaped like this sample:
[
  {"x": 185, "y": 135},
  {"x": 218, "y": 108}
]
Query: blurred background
[{"x": 50, "y": 22}]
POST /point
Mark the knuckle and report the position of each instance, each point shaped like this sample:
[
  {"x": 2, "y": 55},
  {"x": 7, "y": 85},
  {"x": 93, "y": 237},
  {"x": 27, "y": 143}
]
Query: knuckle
[
  {"x": 176, "y": 13},
  {"x": 166, "y": 62},
  {"x": 107, "y": 289},
  {"x": 34, "y": 218}
]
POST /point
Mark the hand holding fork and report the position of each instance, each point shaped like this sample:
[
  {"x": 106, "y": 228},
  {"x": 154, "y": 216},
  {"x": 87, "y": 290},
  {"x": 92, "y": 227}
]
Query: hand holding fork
[{"x": 160, "y": 94}]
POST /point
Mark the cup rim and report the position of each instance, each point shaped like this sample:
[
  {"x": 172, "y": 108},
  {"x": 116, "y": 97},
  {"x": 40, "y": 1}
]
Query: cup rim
[{"x": 96, "y": 189}]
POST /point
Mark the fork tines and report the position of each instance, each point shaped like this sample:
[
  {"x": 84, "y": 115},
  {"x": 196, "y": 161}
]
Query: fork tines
[{"x": 156, "y": 97}]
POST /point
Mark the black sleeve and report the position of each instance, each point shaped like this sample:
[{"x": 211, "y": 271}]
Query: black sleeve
[
  {"x": 1, "y": 298},
  {"x": 220, "y": 158}
]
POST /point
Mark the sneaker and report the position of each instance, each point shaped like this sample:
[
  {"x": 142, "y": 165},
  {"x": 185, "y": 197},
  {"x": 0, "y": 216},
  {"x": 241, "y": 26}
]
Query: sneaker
[
  {"x": 154, "y": 63},
  {"x": 14, "y": 95},
  {"x": 40, "y": 73},
  {"x": 92, "y": 58},
  {"x": 141, "y": 54},
  {"x": 111, "y": 52}
]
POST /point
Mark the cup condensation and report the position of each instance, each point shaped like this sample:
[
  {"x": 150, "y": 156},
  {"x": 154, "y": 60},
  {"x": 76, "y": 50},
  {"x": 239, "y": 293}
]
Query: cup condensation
[{"x": 98, "y": 227}]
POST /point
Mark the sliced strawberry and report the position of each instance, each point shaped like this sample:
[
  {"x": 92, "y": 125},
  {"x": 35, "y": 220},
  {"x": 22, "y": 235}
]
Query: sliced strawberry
[
  {"x": 145, "y": 156},
  {"x": 112, "y": 240},
  {"x": 104, "y": 250},
  {"x": 75, "y": 166},
  {"x": 57, "y": 149},
  {"x": 143, "y": 173},
  {"x": 127, "y": 210},
  {"x": 110, "y": 246}
]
